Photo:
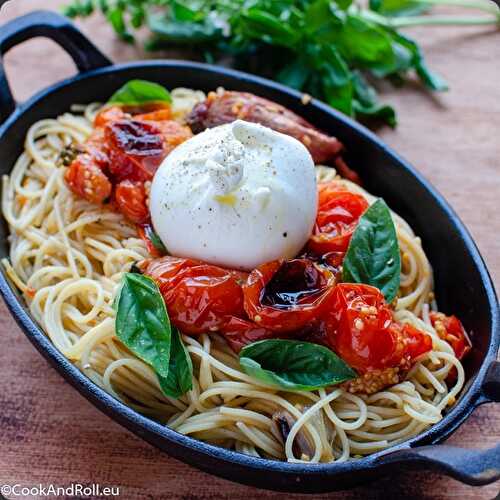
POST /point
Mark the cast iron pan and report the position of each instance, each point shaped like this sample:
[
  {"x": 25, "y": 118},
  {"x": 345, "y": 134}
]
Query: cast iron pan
[{"x": 462, "y": 281}]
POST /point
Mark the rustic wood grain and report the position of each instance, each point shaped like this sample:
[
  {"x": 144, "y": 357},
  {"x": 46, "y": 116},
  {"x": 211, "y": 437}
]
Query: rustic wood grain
[{"x": 50, "y": 434}]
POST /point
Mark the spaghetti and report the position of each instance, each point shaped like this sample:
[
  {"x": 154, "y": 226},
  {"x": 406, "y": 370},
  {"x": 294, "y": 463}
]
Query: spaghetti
[{"x": 67, "y": 256}]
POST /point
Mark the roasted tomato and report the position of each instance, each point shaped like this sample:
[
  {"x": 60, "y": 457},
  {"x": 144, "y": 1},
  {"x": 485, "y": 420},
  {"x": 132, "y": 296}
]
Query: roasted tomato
[
  {"x": 199, "y": 297},
  {"x": 338, "y": 214},
  {"x": 110, "y": 114},
  {"x": 148, "y": 111},
  {"x": 155, "y": 116},
  {"x": 225, "y": 107},
  {"x": 285, "y": 296},
  {"x": 331, "y": 260},
  {"x": 131, "y": 201},
  {"x": 153, "y": 243},
  {"x": 86, "y": 175},
  {"x": 173, "y": 134},
  {"x": 147, "y": 108},
  {"x": 361, "y": 331},
  {"x": 239, "y": 332},
  {"x": 450, "y": 328},
  {"x": 122, "y": 154},
  {"x": 87, "y": 180},
  {"x": 135, "y": 149}
]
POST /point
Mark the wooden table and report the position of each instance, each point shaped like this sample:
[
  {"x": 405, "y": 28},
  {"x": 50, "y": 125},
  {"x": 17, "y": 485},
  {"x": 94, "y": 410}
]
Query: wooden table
[{"x": 49, "y": 434}]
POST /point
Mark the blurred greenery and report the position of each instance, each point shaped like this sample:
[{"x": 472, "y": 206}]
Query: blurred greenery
[{"x": 333, "y": 50}]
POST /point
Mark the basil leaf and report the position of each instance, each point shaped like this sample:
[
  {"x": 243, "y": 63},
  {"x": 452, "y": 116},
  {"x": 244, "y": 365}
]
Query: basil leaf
[
  {"x": 430, "y": 79},
  {"x": 139, "y": 92},
  {"x": 167, "y": 31},
  {"x": 366, "y": 102},
  {"x": 180, "y": 371},
  {"x": 294, "y": 74},
  {"x": 373, "y": 254},
  {"x": 264, "y": 26},
  {"x": 294, "y": 365},
  {"x": 337, "y": 84},
  {"x": 398, "y": 7},
  {"x": 365, "y": 44},
  {"x": 142, "y": 322},
  {"x": 117, "y": 20},
  {"x": 155, "y": 240}
]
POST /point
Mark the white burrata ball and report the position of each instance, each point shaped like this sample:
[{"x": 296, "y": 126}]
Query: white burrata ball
[{"x": 237, "y": 195}]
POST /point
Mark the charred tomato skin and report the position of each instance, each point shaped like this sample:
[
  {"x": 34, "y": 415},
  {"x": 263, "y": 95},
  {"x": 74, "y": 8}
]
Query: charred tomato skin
[
  {"x": 131, "y": 200},
  {"x": 86, "y": 179},
  {"x": 338, "y": 214},
  {"x": 135, "y": 149},
  {"x": 362, "y": 332},
  {"x": 122, "y": 154},
  {"x": 450, "y": 328},
  {"x": 301, "y": 294},
  {"x": 199, "y": 297},
  {"x": 240, "y": 332}
]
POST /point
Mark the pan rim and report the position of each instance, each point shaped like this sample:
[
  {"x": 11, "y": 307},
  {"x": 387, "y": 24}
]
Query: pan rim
[{"x": 470, "y": 398}]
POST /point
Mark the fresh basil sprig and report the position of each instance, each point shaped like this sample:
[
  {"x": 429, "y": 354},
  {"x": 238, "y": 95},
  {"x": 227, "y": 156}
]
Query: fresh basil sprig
[
  {"x": 136, "y": 92},
  {"x": 316, "y": 46},
  {"x": 373, "y": 254},
  {"x": 294, "y": 365},
  {"x": 142, "y": 324},
  {"x": 180, "y": 371},
  {"x": 152, "y": 235}
]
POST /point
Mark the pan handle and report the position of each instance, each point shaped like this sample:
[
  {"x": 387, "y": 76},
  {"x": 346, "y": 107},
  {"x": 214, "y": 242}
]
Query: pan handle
[
  {"x": 470, "y": 466},
  {"x": 491, "y": 384},
  {"x": 56, "y": 27}
]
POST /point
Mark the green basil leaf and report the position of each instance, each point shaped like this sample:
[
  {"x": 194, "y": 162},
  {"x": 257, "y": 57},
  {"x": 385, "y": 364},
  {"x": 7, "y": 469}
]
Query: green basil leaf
[
  {"x": 366, "y": 104},
  {"x": 262, "y": 25},
  {"x": 399, "y": 7},
  {"x": 182, "y": 12},
  {"x": 294, "y": 365},
  {"x": 180, "y": 371},
  {"x": 294, "y": 74},
  {"x": 142, "y": 322},
  {"x": 367, "y": 45},
  {"x": 332, "y": 78},
  {"x": 117, "y": 20},
  {"x": 322, "y": 20},
  {"x": 139, "y": 92},
  {"x": 373, "y": 254},
  {"x": 155, "y": 239},
  {"x": 430, "y": 79},
  {"x": 168, "y": 31},
  {"x": 383, "y": 112}
]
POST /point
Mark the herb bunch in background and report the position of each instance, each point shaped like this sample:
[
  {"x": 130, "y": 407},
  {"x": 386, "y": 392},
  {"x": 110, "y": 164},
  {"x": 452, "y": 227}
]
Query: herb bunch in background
[{"x": 329, "y": 49}]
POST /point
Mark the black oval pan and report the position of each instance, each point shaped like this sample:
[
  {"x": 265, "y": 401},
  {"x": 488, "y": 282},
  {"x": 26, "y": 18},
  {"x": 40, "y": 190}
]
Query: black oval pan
[{"x": 463, "y": 285}]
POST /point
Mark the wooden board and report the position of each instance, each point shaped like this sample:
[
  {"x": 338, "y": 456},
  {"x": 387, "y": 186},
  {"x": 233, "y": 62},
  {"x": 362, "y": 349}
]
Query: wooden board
[{"x": 50, "y": 434}]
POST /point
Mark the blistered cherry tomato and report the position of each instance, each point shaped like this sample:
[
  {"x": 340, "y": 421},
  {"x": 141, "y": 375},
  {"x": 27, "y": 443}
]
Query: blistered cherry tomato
[
  {"x": 338, "y": 215},
  {"x": 131, "y": 200},
  {"x": 135, "y": 149},
  {"x": 450, "y": 328},
  {"x": 361, "y": 331},
  {"x": 122, "y": 154},
  {"x": 284, "y": 296},
  {"x": 155, "y": 116},
  {"x": 240, "y": 332},
  {"x": 199, "y": 297},
  {"x": 87, "y": 180},
  {"x": 86, "y": 175},
  {"x": 109, "y": 114}
]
